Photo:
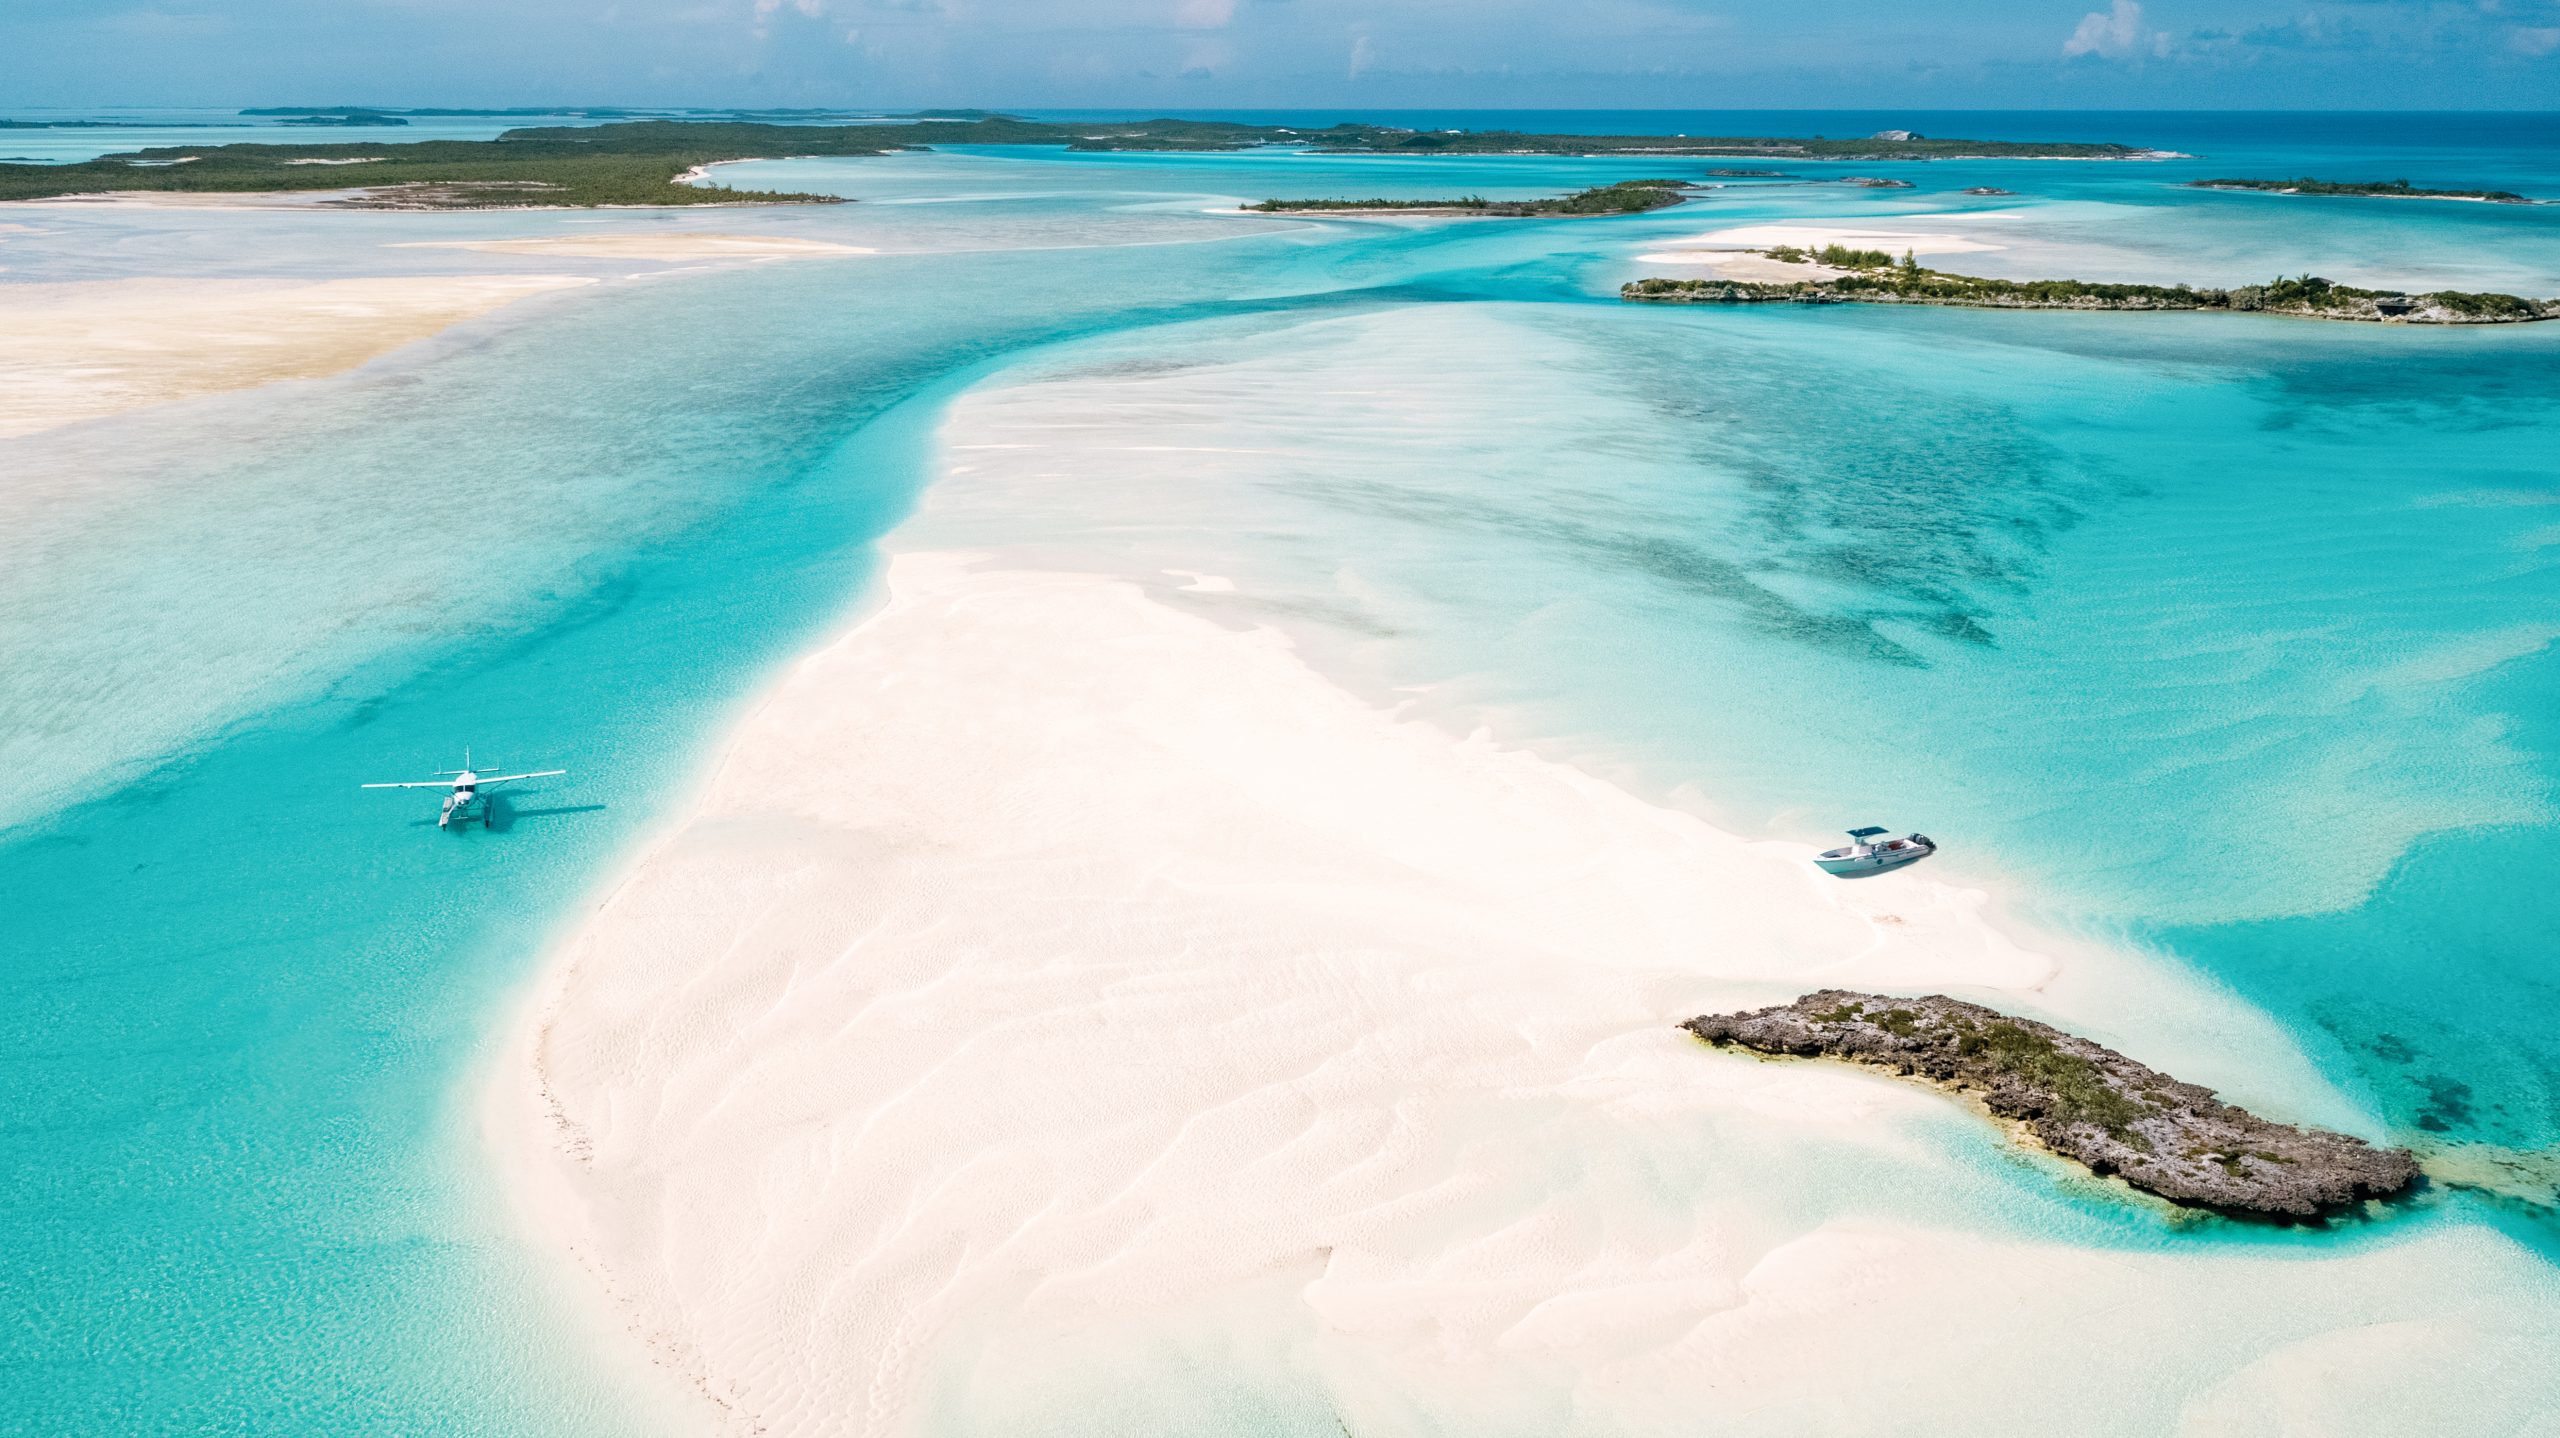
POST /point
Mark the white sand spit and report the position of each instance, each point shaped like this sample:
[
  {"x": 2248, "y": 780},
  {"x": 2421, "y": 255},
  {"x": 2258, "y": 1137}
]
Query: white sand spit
[
  {"x": 670, "y": 247},
  {"x": 196, "y": 199},
  {"x": 1063, "y": 1015},
  {"x": 1747, "y": 265},
  {"x": 1735, "y": 254},
  {"x": 1814, "y": 237},
  {"x": 76, "y": 351}
]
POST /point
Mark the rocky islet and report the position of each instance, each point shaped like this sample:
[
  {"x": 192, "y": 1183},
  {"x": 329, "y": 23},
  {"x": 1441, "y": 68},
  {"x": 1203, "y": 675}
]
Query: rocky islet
[{"x": 2083, "y": 1101}]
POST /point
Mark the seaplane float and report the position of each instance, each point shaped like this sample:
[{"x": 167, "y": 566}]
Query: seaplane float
[
  {"x": 1868, "y": 853},
  {"x": 466, "y": 795}
]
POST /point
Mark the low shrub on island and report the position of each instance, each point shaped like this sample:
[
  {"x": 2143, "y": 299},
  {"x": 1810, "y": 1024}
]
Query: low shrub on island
[
  {"x": 1907, "y": 283},
  {"x": 1837, "y": 256},
  {"x": 2084, "y": 1101}
]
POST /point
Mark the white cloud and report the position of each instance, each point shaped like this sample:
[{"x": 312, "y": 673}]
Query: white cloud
[
  {"x": 1362, "y": 56},
  {"x": 2534, "y": 39},
  {"x": 767, "y": 9},
  {"x": 2115, "y": 34},
  {"x": 1203, "y": 14}
]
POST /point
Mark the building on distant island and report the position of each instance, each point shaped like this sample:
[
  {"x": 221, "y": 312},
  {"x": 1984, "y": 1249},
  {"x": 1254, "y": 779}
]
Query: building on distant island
[{"x": 1897, "y": 135}]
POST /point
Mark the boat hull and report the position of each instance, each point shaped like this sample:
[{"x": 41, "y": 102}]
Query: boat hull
[{"x": 1876, "y": 860}]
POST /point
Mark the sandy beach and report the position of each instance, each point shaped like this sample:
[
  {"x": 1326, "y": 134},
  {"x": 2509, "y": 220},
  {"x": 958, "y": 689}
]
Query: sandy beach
[
  {"x": 198, "y": 199},
  {"x": 670, "y": 247},
  {"x": 79, "y": 350},
  {"x": 1056, "y": 1003},
  {"x": 1736, "y": 253}
]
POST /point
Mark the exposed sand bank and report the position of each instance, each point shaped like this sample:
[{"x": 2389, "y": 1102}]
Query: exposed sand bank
[
  {"x": 1751, "y": 265},
  {"x": 75, "y": 351},
  {"x": 670, "y": 247},
  {"x": 1728, "y": 252},
  {"x": 201, "y": 199},
  {"x": 1060, "y": 1013}
]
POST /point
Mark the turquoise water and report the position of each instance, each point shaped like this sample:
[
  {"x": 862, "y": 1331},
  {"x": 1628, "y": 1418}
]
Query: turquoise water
[{"x": 2228, "y": 638}]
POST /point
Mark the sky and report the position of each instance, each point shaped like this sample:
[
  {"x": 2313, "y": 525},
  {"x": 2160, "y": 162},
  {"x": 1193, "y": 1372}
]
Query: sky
[{"x": 1235, "y": 54}]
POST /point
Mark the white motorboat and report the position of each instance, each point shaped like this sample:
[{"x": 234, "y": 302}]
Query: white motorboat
[{"x": 1868, "y": 852}]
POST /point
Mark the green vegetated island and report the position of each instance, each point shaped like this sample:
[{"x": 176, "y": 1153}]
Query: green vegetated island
[
  {"x": 642, "y": 162},
  {"x": 1627, "y": 197},
  {"x": 1874, "y": 278},
  {"x": 2380, "y": 189}
]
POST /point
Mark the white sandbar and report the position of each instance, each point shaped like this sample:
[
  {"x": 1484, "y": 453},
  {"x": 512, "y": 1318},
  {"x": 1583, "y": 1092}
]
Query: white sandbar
[
  {"x": 1737, "y": 254},
  {"x": 671, "y": 246},
  {"x": 1062, "y": 1014},
  {"x": 76, "y": 351},
  {"x": 1754, "y": 266},
  {"x": 1815, "y": 236}
]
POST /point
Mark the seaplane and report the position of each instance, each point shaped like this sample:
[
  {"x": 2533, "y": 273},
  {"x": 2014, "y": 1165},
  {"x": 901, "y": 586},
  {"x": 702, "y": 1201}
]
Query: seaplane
[{"x": 465, "y": 791}]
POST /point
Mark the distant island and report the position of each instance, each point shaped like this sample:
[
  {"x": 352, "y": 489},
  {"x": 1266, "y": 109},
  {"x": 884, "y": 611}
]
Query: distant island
[
  {"x": 644, "y": 162},
  {"x": 641, "y": 162},
  {"x": 2382, "y": 189},
  {"x": 2084, "y": 1101},
  {"x": 1875, "y": 279},
  {"x": 1627, "y": 197},
  {"x": 1381, "y": 139},
  {"x": 614, "y": 112},
  {"x": 367, "y": 118},
  {"x": 94, "y": 125}
]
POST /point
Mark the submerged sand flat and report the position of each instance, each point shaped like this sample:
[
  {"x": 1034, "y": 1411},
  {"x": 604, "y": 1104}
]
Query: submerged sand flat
[
  {"x": 76, "y": 351},
  {"x": 669, "y": 247},
  {"x": 1063, "y": 1014}
]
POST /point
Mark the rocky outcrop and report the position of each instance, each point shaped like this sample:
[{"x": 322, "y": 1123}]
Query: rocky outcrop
[{"x": 2084, "y": 1101}]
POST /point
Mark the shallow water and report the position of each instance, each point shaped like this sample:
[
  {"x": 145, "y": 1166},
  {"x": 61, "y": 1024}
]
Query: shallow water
[{"x": 2228, "y": 638}]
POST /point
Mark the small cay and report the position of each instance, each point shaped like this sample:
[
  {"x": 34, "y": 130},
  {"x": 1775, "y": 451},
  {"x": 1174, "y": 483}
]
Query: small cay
[
  {"x": 2375, "y": 189},
  {"x": 1875, "y": 280},
  {"x": 2084, "y": 1101}
]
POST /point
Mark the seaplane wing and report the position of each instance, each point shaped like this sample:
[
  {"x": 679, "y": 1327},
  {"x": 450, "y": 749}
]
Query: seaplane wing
[
  {"x": 412, "y": 784},
  {"x": 536, "y": 774}
]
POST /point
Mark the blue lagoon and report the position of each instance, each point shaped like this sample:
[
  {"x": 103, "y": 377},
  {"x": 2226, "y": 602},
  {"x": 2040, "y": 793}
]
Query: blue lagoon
[{"x": 1148, "y": 786}]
